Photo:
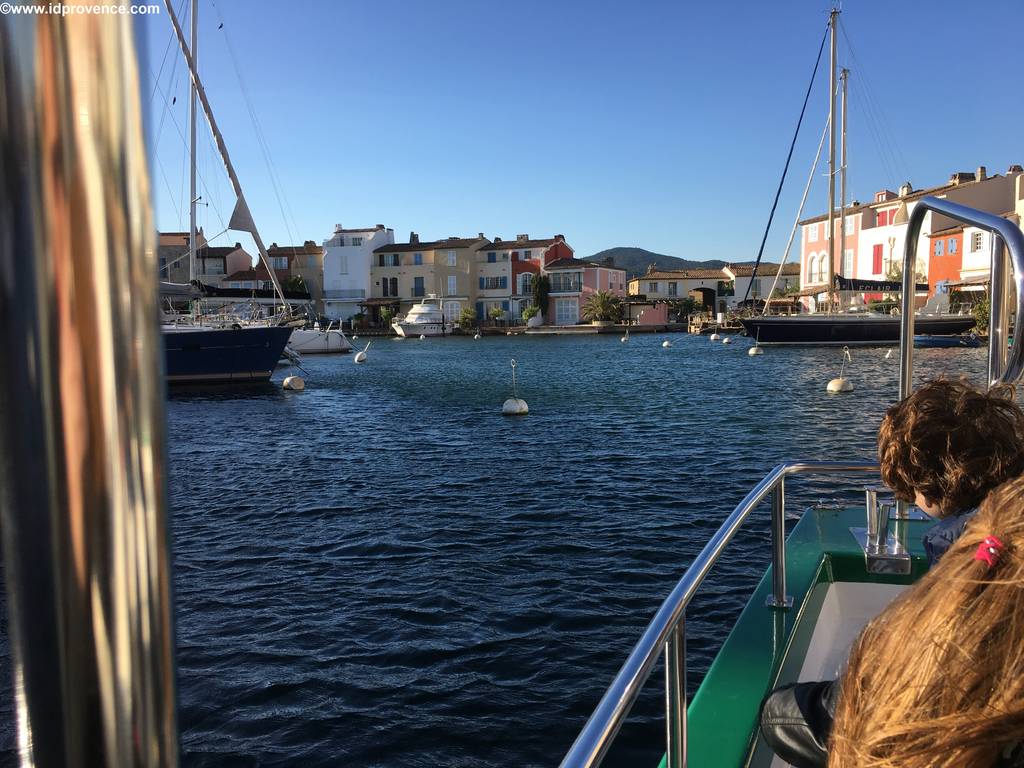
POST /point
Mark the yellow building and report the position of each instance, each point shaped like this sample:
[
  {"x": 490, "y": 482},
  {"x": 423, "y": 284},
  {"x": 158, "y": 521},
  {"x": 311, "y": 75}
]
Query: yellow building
[{"x": 403, "y": 273}]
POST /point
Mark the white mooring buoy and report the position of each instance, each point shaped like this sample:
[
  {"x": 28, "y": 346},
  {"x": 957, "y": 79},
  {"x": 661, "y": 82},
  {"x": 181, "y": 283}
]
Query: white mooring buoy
[
  {"x": 355, "y": 338},
  {"x": 666, "y": 343},
  {"x": 509, "y": 333},
  {"x": 755, "y": 350},
  {"x": 423, "y": 337},
  {"x": 714, "y": 337},
  {"x": 626, "y": 337},
  {"x": 841, "y": 384},
  {"x": 727, "y": 340},
  {"x": 294, "y": 383},
  {"x": 476, "y": 335},
  {"x": 514, "y": 406},
  {"x": 888, "y": 354},
  {"x": 361, "y": 356}
]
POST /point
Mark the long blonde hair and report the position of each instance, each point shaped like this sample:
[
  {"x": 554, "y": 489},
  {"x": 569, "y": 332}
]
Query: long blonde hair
[{"x": 937, "y": 679}]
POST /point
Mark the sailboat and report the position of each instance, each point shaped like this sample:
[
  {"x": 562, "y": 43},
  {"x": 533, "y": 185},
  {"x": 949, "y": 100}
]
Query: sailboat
[
  {"x": 198, "y": 354},
  {"x": 846, "y": 328}
]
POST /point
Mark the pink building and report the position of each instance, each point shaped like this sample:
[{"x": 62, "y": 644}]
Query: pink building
[{"x": 573, "y": 281}]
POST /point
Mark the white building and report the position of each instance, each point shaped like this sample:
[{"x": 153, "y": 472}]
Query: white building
[{"x": 346, "y": 268}]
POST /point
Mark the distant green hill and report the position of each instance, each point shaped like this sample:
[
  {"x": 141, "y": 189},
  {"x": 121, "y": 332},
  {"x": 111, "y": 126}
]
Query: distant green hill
[{"x": 636, "y": 260}]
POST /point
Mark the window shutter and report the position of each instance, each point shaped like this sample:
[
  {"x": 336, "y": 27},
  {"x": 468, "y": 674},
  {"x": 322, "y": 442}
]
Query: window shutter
[
  {"x": 481, "y": 283},
  {"x": 503, "y": 284}
]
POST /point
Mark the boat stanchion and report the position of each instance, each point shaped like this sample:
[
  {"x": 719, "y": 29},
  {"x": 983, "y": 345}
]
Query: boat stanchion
[
  {"x": 514, "y": 406},
  {"x": 841, "y": 384}
]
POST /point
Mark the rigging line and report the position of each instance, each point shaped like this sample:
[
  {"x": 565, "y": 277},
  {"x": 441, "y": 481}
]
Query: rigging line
[
  {"x": 897, "y": 153},
  {"x": 799, "y": 213},
  {"x": 202, "y": 180},
  {"x": 885, "y": 158},
  {"x": 170, "y": 39},
  {"x": 282, "y": 200},
  {"x": 785, "y": 170},
  {"x": 167, "y": 183}
]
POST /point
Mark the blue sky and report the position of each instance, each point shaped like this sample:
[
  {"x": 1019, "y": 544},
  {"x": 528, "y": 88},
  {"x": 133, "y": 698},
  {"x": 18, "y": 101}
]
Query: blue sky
[{"x": 662, "y": 125}]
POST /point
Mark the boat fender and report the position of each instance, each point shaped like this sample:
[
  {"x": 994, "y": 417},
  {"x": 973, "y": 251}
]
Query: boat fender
[{"x": 294, "y": 383}]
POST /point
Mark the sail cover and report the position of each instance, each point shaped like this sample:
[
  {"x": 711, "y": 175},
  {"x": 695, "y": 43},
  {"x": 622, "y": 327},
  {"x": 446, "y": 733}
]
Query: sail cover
[{"x": 841, "y": 283}]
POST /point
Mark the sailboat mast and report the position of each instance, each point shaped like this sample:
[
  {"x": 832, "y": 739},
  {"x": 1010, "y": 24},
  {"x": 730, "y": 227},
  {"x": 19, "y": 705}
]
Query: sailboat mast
[
  {"x": 241, "y": 214},
  {"x": 843, "y": 75},
  {"x": 194, "y": 34},
  {"x": 833, "y": 17}
]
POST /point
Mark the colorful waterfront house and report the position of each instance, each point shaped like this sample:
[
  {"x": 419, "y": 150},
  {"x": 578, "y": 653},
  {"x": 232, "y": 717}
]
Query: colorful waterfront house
[
  {"x": 342, "y": 275},
  {"x": 172, "y": 254},
  {"x": 494, "y": 282},
  {"x": 878, "y": 232},
  {"x": 525, "y": 257},
  {"x": 405, "y": 273},
  {"x": 945, "y": 256},
  {"x": 258, "y": 278},
  {"x": 715, "y": 289},
  {"x": 573, "y": 281}
]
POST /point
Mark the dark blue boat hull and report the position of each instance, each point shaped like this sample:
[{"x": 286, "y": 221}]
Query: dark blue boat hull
[
  {"x": 847, "y": 330},
  {"x": 223, "y": 355}
]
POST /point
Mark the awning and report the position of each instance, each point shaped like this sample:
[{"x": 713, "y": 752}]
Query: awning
[{"x": 378, "y": 302}]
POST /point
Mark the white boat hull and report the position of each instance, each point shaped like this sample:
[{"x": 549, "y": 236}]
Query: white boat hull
[
  {"x": 415, "y": 330},
  {"x": 307, "y": 341}
]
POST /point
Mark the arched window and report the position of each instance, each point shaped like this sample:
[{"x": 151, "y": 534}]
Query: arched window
[
  {"x": 812, "y": 271},
  {"x": 823, "y": 270}
]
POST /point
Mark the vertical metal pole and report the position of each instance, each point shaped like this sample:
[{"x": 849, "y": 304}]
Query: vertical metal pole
[
  {"x": 675, "y": 696},
  {"x": 833, "y": 17},
  {"x": 192, "y": 246},
  {"x": 842, "y": 187},
  {"x": 999, "y": 309},
  {"x": 779, "y": 598}
]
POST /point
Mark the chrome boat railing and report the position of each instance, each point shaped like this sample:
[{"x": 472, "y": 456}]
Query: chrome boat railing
[
  {"x": 1001, "y": 367},
  {"x": 667, "y": 630}
]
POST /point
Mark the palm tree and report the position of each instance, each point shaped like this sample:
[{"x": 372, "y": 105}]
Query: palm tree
[{"x": 603, "y": 305}]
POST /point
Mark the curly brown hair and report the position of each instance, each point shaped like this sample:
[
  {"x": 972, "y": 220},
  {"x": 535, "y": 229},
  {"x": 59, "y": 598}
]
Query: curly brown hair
[{"x": 952, "y": 443}]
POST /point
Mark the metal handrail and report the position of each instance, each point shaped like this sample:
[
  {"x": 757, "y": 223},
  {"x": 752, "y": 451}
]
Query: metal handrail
[
  {"x": 1001, "y": 369},
  {"x": 666, "y": 629}
]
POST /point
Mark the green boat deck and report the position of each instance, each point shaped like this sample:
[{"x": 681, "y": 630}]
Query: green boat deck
[{"x": 766, "y": 647}]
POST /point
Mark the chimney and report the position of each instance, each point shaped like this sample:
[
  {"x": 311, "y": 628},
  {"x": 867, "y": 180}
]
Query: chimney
[
  {"x": 380, "y": 227},
  {"x": 337, "y": 228},
  {"x": 980, "y": 174},
  {"x": 497, "y": 239},
  {"x": 1015, "y": 169},
  {"x": 560, "y": 238},
  {"x": 413, "y": 238},
  {"x": 309, "y": 244},
  {"x": 960, "y": 177},
  {"x": 522, "y": 238},
  {"x": 238, "y": 246},
  {"x": 481, "y": 236},
  {"x": 906, "y": 188},
  {"x": 273, "y": 246}
]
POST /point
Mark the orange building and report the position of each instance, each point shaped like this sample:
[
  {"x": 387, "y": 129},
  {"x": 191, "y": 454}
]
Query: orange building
[{"x": 945, "y": 256}]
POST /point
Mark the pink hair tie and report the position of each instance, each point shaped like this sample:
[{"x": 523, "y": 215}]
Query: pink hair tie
[{"x": 989, "y": 551}]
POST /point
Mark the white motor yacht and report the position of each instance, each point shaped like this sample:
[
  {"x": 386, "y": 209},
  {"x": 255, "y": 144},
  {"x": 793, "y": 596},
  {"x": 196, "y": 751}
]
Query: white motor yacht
[{"x": 423, "y": 319}]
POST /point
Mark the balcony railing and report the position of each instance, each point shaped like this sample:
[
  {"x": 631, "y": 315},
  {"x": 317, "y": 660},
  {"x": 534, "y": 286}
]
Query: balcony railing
[
  {"x": 566, "y": 286},
  {"x": 345, "y": 293}
]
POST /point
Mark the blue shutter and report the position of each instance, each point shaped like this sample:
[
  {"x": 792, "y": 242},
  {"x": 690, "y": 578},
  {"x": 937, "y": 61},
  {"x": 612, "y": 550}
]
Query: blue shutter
[
  {"x": 504, "y": 283},
  {"x": 504, "y": 304},
  {"x": 481, "y": 283},
  {"x": 479, "y": 310}
]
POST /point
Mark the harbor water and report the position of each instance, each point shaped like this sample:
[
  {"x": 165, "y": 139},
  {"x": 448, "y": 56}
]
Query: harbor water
[{"x": 384, "y": 570}]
